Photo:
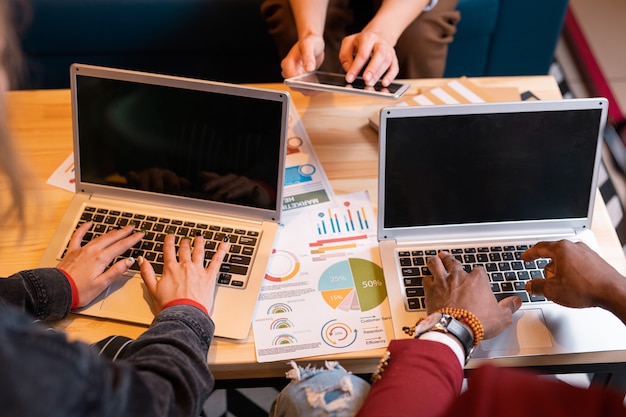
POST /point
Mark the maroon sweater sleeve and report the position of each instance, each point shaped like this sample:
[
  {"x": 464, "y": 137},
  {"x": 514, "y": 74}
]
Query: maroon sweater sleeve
[
  {"x": 515, "y": 393},
  {"x": 424, "y": 378},
  {"x": 421, "y": 379}
]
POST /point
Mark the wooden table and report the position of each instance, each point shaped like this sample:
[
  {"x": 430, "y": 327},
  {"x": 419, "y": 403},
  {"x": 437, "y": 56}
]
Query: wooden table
[{"x": 347, "y": 148}]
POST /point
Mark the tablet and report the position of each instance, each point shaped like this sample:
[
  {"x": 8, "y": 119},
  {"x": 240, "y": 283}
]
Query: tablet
[{"x": 326, "y": 81}]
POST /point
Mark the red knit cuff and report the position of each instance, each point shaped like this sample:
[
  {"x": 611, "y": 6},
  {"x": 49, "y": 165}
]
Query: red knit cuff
[
  {"x": 187, "y": 301},
  {"x": 75, "y": 298}
]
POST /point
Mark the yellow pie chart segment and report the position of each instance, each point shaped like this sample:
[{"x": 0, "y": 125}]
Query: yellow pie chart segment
[{"x": 353, "y": 285}]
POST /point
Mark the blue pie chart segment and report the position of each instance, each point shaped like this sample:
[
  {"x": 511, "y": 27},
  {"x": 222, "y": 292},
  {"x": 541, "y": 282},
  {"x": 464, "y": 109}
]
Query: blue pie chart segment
[{"x": 353, "y": 285}]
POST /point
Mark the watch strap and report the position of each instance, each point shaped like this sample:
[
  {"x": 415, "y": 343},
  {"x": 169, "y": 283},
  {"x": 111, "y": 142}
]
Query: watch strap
[{"x": 456, "y": 329}]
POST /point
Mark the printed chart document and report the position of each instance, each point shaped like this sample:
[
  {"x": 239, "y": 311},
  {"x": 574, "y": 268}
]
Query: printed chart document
[
  {"x": 324, "y": 289},
  {"x": 63, "y": 177},
  {"x": 306, "y": 183}
]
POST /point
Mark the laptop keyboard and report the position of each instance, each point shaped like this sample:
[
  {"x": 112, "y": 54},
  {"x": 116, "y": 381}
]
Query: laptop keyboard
[
  {"x": 506, "y": 270},
  {"x": 234, "y": 269}
]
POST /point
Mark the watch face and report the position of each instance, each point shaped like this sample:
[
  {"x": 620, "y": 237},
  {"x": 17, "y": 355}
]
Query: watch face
[{"x": 427, "y": 323}]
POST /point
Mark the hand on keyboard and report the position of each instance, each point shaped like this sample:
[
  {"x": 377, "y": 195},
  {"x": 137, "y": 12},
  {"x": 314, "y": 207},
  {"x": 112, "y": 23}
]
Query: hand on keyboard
[
  {"x": 450, "y": 286},
  {"x": 576, "y": 276},
  {"x": 86, "y": 265},
  {"x": 506, "y": 270},
  {"x": 184, "y": 276},
  {"x": 235, "y": 269}
]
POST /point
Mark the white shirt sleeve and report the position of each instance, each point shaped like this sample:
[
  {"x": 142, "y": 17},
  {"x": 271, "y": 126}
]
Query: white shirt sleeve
[{"x": 448, "y": 340}]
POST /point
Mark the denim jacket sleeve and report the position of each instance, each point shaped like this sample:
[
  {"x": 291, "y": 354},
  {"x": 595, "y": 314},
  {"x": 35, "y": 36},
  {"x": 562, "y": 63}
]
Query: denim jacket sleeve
[
  {"x": 163, "y": 373},
  {"x": 43, "y": 293}
]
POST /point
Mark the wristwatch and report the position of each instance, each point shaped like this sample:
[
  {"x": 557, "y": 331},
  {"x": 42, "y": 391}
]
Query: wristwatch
[{"x": 445, "y": 323}]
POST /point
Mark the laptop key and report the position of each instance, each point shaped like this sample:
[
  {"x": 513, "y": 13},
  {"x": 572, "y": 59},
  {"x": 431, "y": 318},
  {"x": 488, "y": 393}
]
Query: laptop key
[
  {"x": 240, "y": 260},
  {"x": 522, "y": 295},
  {"x": 495, "y": 257},
  {"x": 234, "y": 269},
  {"x": 414, "y": 303},
  {"x": 419, "y": 261},
  {"x": 410, "y": 272},
  {"x": 413, "y": 282},
  {"x": 536, "y": 274},
  {"x": 536, "y": 298},
  {"x": 469, "y": 258},
  {"x": 415, "y": 291},
  {"x": 406, "y": 262},
  {"x": 510, "y": 276},
  {"x": 224, "y": 279},
  {"x": 508, "y": 256},
  {"x": 250, "y": 241}
]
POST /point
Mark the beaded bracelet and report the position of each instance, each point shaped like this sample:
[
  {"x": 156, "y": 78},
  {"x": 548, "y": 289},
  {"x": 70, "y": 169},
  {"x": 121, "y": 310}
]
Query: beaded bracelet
[
  {"x": 468, "y": 318},
  {"x": 382, "y": 365}
]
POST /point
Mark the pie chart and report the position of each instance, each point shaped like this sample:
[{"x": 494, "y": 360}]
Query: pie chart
[
  {"x": 353, "y": 285},
  {"x": 283, "y": 266}
]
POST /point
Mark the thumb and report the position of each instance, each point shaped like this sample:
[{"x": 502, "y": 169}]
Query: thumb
[
  {"x": 512, "y": 303},
  {"x": 308, "y": 63},
  {"x": 115, "y": 271},
  {"x": 535, "y": 286},
  {"x": 89, "y": 291},
  {"x": 307, "y": 55},
  {"x": 498, "y": 322}
]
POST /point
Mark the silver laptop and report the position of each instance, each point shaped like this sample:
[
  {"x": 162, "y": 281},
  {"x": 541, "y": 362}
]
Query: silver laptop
[
  {"x": 484, "y": 182},
  {"x": 181, "y": 156}
]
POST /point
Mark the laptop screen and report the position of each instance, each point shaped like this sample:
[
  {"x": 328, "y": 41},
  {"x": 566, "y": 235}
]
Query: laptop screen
[
  {"x": 491, "y": 167},
  {"x": 184, "y": 142}
]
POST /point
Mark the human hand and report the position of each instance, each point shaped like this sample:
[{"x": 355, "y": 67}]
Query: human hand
[
  {"x": 373, "y": 49},
  {"x": 451, "y": 287},
  {"x": 86, "y": 265},
  {"x": 305, "y": 56},
  {"x": 185, "y": 277},
  {"x": 576, "y": 276},
  {"x": 230, "y": 187},
  {"x": 157, "y": 179}
]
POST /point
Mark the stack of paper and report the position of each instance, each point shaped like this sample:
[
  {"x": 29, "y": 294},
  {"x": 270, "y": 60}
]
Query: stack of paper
[{"x": 457, "y": 91}]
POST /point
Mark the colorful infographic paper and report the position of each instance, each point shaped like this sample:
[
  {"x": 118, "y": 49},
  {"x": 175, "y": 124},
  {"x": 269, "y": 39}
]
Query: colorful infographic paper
[
  {"x": 306, "y": 183},
  {"x": 324, "y": 290}
]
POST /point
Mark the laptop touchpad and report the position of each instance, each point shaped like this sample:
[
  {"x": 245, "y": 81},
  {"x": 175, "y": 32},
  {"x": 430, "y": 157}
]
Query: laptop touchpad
[
  {"x": 132, "y": 301},
  {"x": 528, "y": 334}
]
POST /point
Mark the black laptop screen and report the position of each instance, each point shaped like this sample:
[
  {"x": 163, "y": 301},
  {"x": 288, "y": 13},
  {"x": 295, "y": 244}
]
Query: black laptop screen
[
  {"x": 204, "y": 145},
  {"x": 462, "y": 169}
]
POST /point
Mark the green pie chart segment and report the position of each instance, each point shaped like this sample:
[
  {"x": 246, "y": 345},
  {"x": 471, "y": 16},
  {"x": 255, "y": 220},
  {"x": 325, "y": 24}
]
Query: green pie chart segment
[{"x": 353, "y": 284}]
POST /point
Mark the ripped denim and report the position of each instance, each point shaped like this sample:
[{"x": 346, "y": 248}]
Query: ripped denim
[{"x": 320, "y": 392}]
